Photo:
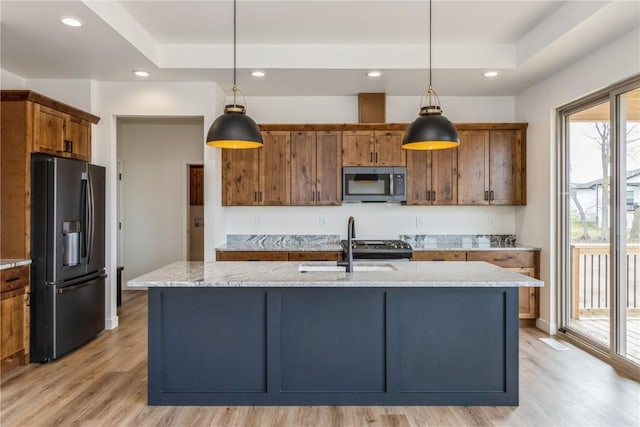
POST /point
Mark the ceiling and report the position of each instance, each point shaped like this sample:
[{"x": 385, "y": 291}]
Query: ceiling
[{"x": 312, "y": 47}]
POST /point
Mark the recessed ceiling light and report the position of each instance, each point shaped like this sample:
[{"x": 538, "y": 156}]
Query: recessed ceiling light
[
  {"x": 374, "y": 74},
  {"x": 71, "y": 21},
  {"x": 140, "y": 73},
  {"x": 257, "y": 73},
  {"x": 491, "y": 74}
]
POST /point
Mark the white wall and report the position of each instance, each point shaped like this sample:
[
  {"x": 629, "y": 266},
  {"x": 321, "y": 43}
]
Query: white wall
[
  {"x": 535, "y": 223},
  {"x": 75, "y": 92},
  {"x": 154, "y": 154},
  {"x": 386, "y": 220},
  {"x": 111, "y": 100},
  {"x": 9, "y": 80}
]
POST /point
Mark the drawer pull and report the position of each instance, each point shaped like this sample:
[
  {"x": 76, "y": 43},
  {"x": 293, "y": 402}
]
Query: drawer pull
[{"x": 13, "y": 279}]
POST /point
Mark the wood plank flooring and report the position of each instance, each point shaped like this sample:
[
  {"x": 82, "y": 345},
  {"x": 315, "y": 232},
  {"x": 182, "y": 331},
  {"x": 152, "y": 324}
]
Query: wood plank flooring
[{"x": 104, "y": 384}]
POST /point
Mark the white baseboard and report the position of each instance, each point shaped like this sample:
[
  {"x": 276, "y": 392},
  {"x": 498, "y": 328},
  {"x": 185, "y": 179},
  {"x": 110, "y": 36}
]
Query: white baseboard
[
  {"x": 550, "y": 328},
  {"x": 111, "y": 323}
]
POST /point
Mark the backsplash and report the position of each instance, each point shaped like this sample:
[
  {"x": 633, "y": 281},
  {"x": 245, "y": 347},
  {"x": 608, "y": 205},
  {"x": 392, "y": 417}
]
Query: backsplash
[
  {"x": 281, "y": 241},
  {"x": 459, "y": 240}
]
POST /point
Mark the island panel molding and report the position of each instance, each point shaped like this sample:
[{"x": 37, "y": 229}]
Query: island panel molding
[{"x": 375, "y": 346}]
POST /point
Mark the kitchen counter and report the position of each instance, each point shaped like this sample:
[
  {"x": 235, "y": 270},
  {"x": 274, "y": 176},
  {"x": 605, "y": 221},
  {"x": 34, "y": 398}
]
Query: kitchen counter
[
  {"x": 264, "y": 333},
  {"x": 12, "y": 263},
  {"x": 331, "y": 243},
  {"x": 282, "y": 242},
  {"x": 285, "y": 274}
]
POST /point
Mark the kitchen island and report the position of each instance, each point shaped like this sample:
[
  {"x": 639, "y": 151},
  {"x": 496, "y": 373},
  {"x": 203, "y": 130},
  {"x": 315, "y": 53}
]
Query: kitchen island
[{"x": 267, "y": 333}]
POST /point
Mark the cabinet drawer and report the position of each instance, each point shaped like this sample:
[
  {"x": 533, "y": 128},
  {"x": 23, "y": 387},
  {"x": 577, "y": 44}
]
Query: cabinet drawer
[
  {"x": 14, "y": 278},
  {"x": 504, "y": 258},
  {"x": 252, "y": 256},
  {"x": 439, "y": 256},
  {"x": 314, "y": 256}
]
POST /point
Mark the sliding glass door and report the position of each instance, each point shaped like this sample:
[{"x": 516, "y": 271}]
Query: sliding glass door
[{"x": 599, "y": 219}]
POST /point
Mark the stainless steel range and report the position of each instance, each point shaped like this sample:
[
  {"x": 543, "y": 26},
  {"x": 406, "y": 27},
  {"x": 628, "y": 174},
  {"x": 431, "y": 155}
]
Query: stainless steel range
[{"x": 380, "y": 249}]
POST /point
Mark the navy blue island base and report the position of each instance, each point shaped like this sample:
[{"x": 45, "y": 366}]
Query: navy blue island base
[{"x": 333, "y": 346}]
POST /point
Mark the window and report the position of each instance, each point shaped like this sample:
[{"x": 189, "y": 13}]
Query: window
[{"x": 599, "y": 220}]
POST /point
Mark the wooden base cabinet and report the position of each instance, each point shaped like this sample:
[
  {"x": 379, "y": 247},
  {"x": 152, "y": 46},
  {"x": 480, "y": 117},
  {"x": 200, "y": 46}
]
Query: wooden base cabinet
[
  {"x": 522, "y": 262},
  {"x": 14, "y": 315}
]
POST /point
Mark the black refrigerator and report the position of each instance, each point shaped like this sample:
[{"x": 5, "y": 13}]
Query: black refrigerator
[{"x": 67, "y": 251}]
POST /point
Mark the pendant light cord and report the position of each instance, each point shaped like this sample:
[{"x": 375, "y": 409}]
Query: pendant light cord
[
  {"x": 235, "y": 87},
  {"x": 430, "y": 24}
]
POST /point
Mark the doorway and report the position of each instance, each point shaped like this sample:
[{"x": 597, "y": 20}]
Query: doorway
[{"x": 195, "y": 212}]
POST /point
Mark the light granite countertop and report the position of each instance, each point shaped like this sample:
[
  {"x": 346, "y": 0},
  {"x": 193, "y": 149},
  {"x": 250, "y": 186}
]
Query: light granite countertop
[
  {"x": 11, "y": 263},
  {"x": 285, "y": 274},
  {"x": 331, "y": 243}
]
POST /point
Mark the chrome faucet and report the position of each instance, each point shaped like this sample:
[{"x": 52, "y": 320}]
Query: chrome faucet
[{"x": 351, "y": 233}]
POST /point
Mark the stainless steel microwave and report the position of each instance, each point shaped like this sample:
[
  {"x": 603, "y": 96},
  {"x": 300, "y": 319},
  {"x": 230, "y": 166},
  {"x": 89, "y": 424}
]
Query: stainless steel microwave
[{"x": 374, "y": 184}]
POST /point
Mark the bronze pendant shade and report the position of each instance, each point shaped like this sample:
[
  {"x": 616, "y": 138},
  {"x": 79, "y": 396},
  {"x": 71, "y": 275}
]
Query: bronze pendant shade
[
  {"x": 234, "y": 129},
  {"x": 431, "y": 130}
]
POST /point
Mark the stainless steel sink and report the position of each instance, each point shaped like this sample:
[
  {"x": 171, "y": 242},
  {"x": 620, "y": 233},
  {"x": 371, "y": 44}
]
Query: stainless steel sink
[{"x": 309, "y": 268}]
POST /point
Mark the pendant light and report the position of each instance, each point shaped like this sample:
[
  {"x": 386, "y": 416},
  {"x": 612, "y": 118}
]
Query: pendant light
[
  {"x": 431, "y": 130},
  {"x": 234, "y": 129}
]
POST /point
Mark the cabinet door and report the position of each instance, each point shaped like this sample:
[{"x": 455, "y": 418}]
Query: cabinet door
[
  {"x": 275, "y": 176},
  {"x": 505, "y": 167},
  {"x": 417, "y": 171},
  {"x": 80, "y": 136},
  {"x": 12, "y": 310},
  {"x": 357, "y": 148},
  {"x": 444, "y": 176},
  {"x": 303, "y": 168},
  {"x": 240, "y": 177},
  {"x": 439, "y": 255},
  {"x": 50, "y": 130},
  {"x": 473, "y": 163},
  {"x": 388, "y": 149},
  {"x": 329, "y": 168},
  {"x": 527, "y": 297}
]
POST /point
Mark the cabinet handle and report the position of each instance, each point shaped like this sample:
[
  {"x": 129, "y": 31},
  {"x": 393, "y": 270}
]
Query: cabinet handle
[
  {"x": 491, "y": 195},
  {"x": 13, "y": 279},
  {"x": 68, "y": 146},
  {"x": 433, "y": 196},
  {"x": 376, "y": 157},
  {"x": 486, "y": 195},
  {"x": 371, "y": 157},
  {"x": 259, "y": 196},
  {"x": 428, "y": 196},
  {"x": 317, "y": 196},
  {"x": 255, "y": 196}
]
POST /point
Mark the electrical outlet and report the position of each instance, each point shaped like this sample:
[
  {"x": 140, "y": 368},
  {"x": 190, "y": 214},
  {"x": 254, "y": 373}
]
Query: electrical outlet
[
  {"x": 419, "y": 221},
  {"x": 257, "y": 222},
  {"x": 322, "y": 221},
  {"x": 492, "y": 221}
]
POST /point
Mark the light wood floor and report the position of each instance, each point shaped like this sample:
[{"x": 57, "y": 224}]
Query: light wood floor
[{"x": 104, "y": 384}]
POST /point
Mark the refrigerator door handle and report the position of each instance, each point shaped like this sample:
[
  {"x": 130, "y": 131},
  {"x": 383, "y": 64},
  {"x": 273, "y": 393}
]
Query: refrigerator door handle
[
  {"x": 91, "y": 224},
  {"x": 81, "y": 285},
  {"x": 85, "y": 214}
]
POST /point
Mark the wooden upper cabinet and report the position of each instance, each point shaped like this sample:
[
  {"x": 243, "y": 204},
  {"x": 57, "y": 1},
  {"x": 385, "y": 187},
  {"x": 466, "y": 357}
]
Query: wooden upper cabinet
[
  {"x": 315, "y": 168},
  {"x": 329, "y": 168},
  {"x": 373, "y": 148},
  {"x": 79, "y": 139},
  {"x": 257, "y": 176},
  {"x": 491, "y": 167},
  {"x": 357, "y": 148},
  {"x": 303, "y": 168},
  {"x": 506, "y": 167},
  {"x": 388, "y": 149},
  {"x": 61, "y": 134},
  {"x": 50, "y": 130},
  {"x": 275, "y": 178},
  {"x": 432, "y": 177},
  {"x": 240, "y": 183}
]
